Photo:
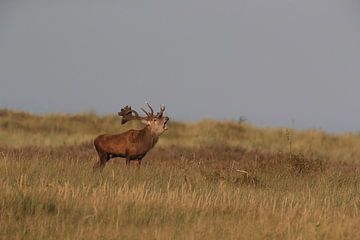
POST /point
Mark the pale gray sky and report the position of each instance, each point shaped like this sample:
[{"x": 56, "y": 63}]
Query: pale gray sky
[{"x": 270, "y": 61}]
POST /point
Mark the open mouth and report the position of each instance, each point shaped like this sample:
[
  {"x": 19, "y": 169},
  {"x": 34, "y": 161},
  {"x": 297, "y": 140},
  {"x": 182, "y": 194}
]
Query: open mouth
[{"x": 165, "y": 123}]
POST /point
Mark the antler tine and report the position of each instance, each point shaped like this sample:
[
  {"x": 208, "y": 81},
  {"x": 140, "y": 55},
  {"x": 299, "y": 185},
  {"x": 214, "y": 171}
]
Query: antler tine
[
  {"x": 162, "y": 109},
  {"x": 128, "y": 114},
  {"x": 147, "y": 114},
  {"x": 151, "y": 109},
  {"x": 124, "y": 110},
  {"x": 136, "y": 113}
]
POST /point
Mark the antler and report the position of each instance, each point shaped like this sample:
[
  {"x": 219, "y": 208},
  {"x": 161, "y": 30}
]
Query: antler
[
  {"x": 127, "y": 114},
  {"x": 162, "y": 109}
]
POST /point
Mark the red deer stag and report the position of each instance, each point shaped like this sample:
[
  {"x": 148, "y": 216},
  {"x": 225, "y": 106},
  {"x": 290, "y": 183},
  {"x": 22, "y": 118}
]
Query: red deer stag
[{"x": 132, "y": 144}]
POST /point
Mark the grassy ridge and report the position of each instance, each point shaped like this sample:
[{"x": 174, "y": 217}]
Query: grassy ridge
[
  {"x": 19, "y": 129},
  {"x": 203, "y": 180}
]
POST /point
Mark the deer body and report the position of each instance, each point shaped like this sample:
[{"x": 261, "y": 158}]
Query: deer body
[{"x": 132, "y": 144}]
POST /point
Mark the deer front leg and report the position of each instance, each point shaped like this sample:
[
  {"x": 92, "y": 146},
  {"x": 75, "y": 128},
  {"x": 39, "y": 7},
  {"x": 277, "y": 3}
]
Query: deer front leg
[
  {"x": 103, "y": 158},
  {"x": 139, "y": 162},
  {"x": 127, "y": 160}
]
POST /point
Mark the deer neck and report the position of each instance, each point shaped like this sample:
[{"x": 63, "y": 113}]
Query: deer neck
[{"x": 152, "y": 135}]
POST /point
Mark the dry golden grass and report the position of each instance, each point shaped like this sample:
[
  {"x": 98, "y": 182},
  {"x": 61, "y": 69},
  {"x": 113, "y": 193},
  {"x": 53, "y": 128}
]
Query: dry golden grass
[{"x": 205, "y": 180}]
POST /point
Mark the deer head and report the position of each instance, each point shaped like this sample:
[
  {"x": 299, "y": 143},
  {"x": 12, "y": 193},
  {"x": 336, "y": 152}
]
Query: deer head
[{"x": 156, "y": 122}]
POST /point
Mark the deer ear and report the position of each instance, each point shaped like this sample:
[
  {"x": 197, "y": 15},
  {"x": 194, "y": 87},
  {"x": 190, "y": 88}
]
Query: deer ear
[{"x": 145, "y": 121}]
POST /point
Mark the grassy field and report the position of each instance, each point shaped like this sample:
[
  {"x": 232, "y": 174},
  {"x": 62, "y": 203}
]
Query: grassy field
[{"x": 204, "y": 180}]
